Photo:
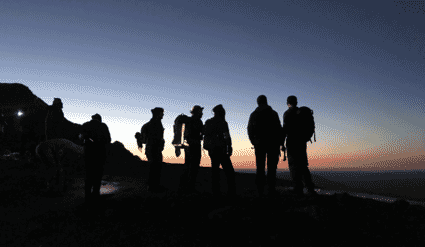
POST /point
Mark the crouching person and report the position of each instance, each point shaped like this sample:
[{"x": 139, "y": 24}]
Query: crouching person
[
  {"x": 219, "y": 145},
  {"x": 96, "y": 136}
]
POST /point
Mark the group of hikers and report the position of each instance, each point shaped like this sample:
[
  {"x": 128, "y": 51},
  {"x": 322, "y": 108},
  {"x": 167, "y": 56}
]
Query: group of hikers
[
  {"x": 265, "y": 132},
  {"x": 95, "y": 136}
]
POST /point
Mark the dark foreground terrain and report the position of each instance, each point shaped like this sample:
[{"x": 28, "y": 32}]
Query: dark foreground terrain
[{"x": 134, "y": 217}]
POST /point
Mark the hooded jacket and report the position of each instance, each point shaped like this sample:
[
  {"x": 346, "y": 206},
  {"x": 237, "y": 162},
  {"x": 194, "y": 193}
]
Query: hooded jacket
[
  {"x": 155, "y": 134},
  {"x": 217, "y": 134},
  {"x": 264, "y": 127}
]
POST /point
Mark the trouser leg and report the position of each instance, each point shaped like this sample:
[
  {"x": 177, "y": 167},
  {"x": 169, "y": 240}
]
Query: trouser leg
[
  {"x": 154, "y": 158},
  {"x": 152, "y": 173},
  {"x": 298, "y": 164},
  {"x": 88, "y": 164},
  {"x": 296, "y": 178},
  {"x": 230, "y": 174},
  {"x": 215, "y": 166},
  {"x": 155, "y": 169},
  {"x": 88, "y": 181},
  {"x": 185, "y": 175},
  {"x": 260, "y": 157},
  {"x": 272, "y": 161},
  {"x": 98, "y": 174},
  {"x": 294, "y": 170},
  {"x": 307, "y": 178},
  {"x": 158, "y": 172},
  {"x": 195, "y": 160}
]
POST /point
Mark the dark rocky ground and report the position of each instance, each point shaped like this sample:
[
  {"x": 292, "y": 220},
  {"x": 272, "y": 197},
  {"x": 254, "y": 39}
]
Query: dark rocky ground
[{"x": 135, "y": 217}]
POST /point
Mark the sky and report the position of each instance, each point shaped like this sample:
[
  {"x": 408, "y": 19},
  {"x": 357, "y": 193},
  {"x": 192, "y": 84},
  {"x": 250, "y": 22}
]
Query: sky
[{"x": 360, "y": 65}]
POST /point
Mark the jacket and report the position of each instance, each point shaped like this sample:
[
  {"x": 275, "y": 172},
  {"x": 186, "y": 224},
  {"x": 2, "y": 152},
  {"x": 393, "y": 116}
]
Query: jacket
[
  {"x": 264, "y": 127},
  {"x": 193, "y": 132},
  {"x": 289, "y": 123},
  {"x": 155, "y": 134},
  {"x": 97, "y": 131},
  {"x": 216, "y": 134},
  {"x": 54, "y": 124}
]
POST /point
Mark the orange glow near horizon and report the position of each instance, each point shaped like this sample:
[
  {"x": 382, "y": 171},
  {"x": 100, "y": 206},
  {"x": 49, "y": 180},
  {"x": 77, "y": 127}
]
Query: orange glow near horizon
[{"x": 372, "y": 159}]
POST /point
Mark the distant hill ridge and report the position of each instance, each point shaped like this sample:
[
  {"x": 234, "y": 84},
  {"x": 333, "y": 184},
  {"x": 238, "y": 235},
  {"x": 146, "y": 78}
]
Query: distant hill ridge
[
  {"x": 25, "y": 132},
  {"x": 16, "y": 95}
]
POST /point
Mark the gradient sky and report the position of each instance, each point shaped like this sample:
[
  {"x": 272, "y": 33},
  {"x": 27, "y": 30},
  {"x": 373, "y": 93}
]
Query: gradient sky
[{"x": 360, "y": 65}]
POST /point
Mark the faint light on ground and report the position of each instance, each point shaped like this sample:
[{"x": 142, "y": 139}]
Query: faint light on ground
[{"x": 108, "y": 187}]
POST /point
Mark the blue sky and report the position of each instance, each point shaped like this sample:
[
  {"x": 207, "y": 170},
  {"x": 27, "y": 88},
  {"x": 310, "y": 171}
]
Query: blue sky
[{"x": 358, "y": 64}]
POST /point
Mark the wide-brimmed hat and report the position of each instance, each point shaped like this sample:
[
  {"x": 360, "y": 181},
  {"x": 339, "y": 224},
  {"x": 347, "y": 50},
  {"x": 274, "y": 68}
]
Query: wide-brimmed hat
[{"x": 196, "y": 108}]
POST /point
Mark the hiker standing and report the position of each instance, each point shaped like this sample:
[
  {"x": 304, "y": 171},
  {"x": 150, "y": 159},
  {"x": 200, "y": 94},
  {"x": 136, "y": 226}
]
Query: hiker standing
[
  {"x": 96, "y": 137},
  {"x": 264, "y": 131},
  {"x": 154, "y": 132},
  {"x": 219, "y": 145},
  {"x": 54, "y": 120},
  {"x": 193, "y": 134},
  {"x": 296, "y": 145}
]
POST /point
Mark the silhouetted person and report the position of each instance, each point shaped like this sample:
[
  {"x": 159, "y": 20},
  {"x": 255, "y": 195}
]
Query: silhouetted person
[
  {"x": 55, "y": 120},
  {"x": 96, "y": 137},
  {"x": 219, "y": 145},
  {"x": 264, "y": 131},
  {"x": 154, "y": 147},
  {"x": 193, "y": 134},
  {"x": 296, "y": 148}
]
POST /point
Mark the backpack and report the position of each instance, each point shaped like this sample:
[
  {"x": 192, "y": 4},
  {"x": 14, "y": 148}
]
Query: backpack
[
  {"x": 142, "y": 137},
  {"x": 208, "y": 137},
  {"x": 177, "y": 129},
  {"x": 305, "y": 124}
]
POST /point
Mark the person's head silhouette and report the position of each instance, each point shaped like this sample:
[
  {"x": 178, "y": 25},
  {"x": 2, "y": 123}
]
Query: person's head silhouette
[
  {"x": 219, "y": 111},
  {"x": 157, "y": 112},
  {"x": 57, "y": 102},
  {"x": 262, "y": 100},
  {"x": 197, "y": 111},
  {"x": 97, "y": 117},
  {"x": 291, "y": 101}
]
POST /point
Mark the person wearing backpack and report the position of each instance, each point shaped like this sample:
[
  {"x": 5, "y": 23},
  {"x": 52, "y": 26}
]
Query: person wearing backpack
[
  {"x": 141, "y": 137},
  {"x": 264, "y": 131},
  {"x": 193, "y": 134},
  {"x": 95, "y": 135},
  {"x": 218, "y": 143},
  {"x": 298, "y": 127},
  {"x": 152, "y": 134}
]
